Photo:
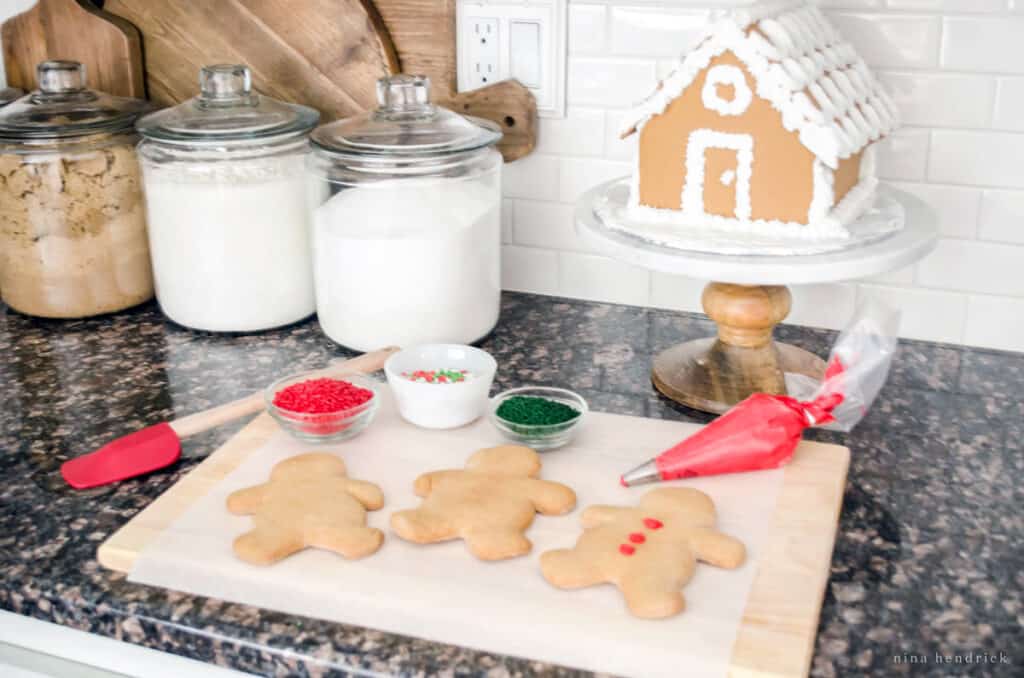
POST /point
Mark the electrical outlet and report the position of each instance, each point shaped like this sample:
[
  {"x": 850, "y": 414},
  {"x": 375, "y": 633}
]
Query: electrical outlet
[
  {"x": 522, "y": 39},
  {"x": 484, "y": 52}
]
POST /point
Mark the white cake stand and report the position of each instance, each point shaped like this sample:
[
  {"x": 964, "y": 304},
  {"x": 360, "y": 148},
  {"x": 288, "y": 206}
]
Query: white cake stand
[{"x": 747, "y": 299}]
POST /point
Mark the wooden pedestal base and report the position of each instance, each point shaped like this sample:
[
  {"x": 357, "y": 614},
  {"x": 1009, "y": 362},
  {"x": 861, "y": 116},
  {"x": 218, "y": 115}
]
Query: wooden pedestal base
[{"x": 714, "y": 374}]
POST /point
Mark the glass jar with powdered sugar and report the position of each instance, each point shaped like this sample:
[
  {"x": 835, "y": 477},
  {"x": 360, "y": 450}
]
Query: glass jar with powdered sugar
[
  {"x": 406, "y": 212},
  {"x": 226, "y": 204}
]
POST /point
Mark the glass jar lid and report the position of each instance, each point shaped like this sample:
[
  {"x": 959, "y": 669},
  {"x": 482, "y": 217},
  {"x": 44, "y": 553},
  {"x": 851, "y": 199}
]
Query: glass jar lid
[
  {"x": 227, "y": 110},
  {"x": 406, "y": 124},
  {"x": 64, "y": 107}
]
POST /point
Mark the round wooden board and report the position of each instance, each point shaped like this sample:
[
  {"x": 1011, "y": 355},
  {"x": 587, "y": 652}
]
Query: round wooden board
[
  {"x": 710, "y": 376},
  {"x": 327, "y": 54}
]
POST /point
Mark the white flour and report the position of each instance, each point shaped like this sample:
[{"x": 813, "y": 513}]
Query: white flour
[
  {"x": 230, "y": 243},
  {"x": 408, "y": 262}
]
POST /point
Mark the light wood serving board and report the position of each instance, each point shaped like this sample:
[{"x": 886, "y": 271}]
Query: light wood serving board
[
  {"x": 327, "y": 54},
  {"x": 780, "y": 617},
  {"x": 109, "y": 46}
]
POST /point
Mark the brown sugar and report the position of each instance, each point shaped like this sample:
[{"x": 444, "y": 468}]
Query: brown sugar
[{"x": 73, "y": 237}]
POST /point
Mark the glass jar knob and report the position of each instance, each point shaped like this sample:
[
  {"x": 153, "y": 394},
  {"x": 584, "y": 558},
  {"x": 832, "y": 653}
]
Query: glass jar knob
[
  {"x": 403, "y": 92},
  {"x": 225, "y": 82},
  {"x": 57, "y": 76}
]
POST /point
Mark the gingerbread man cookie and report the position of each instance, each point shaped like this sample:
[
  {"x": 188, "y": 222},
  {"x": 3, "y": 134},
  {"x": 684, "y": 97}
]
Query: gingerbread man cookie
[
  {"x": 489, "y": 504},
  {"x": 309, "y": 502},
  {"x": 649, "y": 552}
]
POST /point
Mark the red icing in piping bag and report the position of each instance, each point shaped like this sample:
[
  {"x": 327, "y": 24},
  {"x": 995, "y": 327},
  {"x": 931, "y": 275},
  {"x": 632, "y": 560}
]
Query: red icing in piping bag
[{"x": 762, "y": 432}]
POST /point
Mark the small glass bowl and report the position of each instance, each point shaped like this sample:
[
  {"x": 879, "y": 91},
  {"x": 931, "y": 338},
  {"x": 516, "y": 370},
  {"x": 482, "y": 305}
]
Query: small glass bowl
[
  {"x": 540, "y": 437},
  {"x": 325, "y": 427}
]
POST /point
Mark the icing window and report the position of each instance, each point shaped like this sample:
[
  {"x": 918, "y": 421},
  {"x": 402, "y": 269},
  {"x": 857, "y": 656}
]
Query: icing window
[{"x": 721, "y": 82}]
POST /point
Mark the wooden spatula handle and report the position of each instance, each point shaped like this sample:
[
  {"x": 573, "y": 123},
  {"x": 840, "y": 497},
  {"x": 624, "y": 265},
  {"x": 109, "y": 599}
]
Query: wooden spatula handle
[{"x": 213, "y": 417}]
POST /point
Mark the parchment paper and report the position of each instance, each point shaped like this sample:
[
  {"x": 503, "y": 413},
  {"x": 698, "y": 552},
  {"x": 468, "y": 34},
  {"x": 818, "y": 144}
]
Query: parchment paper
[{"x": 442, "y": 593}]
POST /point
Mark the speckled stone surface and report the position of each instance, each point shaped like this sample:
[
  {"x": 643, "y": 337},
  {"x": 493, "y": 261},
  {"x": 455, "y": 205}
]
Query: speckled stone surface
[{"x": 929, "y": 558}]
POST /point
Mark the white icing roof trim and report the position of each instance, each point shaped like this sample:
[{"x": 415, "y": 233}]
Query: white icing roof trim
[{"x": 791, "y": 49}]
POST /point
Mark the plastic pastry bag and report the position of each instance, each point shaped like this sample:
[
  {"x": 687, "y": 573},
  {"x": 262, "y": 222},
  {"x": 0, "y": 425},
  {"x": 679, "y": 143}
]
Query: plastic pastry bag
[{"x": 763, "y": 431}]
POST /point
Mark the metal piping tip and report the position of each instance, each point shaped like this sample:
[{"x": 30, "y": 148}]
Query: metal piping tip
[{"x": 646, "y": 472}]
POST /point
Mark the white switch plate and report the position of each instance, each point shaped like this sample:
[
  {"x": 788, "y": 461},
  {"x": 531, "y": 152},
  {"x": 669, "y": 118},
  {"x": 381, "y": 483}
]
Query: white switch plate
[{"x": 530, "y": 43}]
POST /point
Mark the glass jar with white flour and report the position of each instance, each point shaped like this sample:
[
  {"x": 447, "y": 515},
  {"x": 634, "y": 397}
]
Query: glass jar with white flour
[
  {"x": 406, "y": 222},
  {"x": 226, "y": 203}
]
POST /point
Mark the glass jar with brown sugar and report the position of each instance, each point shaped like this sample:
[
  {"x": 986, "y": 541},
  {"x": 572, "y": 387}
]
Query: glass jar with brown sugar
[{"x": 73, "y": 237}]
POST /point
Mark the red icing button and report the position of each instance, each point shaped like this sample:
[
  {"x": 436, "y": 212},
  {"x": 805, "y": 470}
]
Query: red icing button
[
  {"x": 626, "y": 549},
  {"x": 637, "y": 538},
  {"x": 653, "y": 524}
]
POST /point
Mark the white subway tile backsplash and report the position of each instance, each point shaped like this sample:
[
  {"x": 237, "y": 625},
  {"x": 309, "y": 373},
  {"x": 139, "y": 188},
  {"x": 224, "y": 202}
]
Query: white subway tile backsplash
[
  {"x": 620, "y": 83},
  {"x": 677, "y": 292},
  {"x": 617, "y": 148},
  {"x": 580, "y": 132},
  {"x": 525, "y": 269},
  {"x": 829, "y": 305},
  {"x": 952, "y": 66},
  {"x": 904, "y": 155},
  {"x": 535, "y": 176},
  {"x": 983, "y": 44},
  {"x": 657, "y": 31},
  {"x": 956, "y": 207},
  {"x": 587, "y": 276},
  {"x": 949, "y": 5},
  {"x": 1002, "y": 216},
  {"x": 995, "y": 322},
  {"x": 892, "y": 40},
  {"x": 942, "y": 99},
  {"x": 579, "y": 175},
  {"x": 588, "y": 28},
  {"x": 1009, "y": 106},
  {"x": 925, "y": 314},
  {"x": 970, "y": 266},
  {"x": 546, "y": 224},
  {"x": 977, "y": 158}
]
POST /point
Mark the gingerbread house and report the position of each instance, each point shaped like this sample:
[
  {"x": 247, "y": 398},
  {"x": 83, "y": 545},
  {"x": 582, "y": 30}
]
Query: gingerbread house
[{"x": 769, "y": 121}]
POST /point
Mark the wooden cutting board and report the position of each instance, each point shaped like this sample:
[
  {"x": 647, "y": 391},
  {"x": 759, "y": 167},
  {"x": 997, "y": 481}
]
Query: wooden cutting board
[
  {"x": 780, "y": 618},
  {"x": 327, "y": 54},
  {"x": 109, "y": 46}
]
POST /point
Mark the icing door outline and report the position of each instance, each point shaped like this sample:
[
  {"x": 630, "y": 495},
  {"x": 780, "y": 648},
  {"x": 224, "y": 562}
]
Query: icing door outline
[{"x": 696, "y": 168}]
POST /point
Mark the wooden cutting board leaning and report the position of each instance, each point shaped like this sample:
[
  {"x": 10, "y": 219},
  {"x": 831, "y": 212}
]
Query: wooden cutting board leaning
[
  {"x": 779, "y": 618},
  {"x": 327, "y": 54},
  {"x": 76, "y": 30}
]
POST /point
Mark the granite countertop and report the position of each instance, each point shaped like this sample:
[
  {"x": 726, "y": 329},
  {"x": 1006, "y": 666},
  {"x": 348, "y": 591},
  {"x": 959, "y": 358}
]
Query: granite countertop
[{"x": 929, "y": 557}]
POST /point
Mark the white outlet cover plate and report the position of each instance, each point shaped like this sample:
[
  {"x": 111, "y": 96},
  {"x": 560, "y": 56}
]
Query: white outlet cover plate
[{"x": 552, "y": 17}]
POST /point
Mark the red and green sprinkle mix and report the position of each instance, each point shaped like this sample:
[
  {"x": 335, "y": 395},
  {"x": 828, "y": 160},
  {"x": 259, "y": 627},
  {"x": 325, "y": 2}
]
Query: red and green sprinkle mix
[
  {"x": 321, "y": 396},
  {"x": 437, "y": 376}
]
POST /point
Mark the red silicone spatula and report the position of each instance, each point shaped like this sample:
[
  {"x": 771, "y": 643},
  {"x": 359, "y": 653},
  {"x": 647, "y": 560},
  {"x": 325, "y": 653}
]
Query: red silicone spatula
[{"x": 159, "y": 445}]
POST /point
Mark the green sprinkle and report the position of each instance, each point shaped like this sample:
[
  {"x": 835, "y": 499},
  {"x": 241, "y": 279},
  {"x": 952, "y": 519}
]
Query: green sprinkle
[{"x": 534, "y": 411}]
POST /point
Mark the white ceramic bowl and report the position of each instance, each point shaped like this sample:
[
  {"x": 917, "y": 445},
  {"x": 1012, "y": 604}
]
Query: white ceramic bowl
[{"x": 441, "y": 405}]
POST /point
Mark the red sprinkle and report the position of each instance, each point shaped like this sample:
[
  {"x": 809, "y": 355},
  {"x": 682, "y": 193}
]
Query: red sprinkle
[
  {"x": 653, "y": 524},
  {"x": 321, "y": 396},
  {"x": 626, "y": 549},
  {"x": 637, "y": 538}
]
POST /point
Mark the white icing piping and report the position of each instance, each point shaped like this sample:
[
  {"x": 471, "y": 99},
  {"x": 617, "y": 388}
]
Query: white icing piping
[
  {"x": 800, "y": 50},
  {"x": 729, "y": 76},
  {"x": 824, "y": 192},
  {"x": 696, "y": 148},
  {"x": 856, "y": 202}
]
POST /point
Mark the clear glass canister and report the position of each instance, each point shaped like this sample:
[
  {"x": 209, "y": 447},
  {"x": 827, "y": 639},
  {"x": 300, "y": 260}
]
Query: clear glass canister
[
  {"x": 72, "y": 222},
  {"x": 226, "y": 198},
  {"x": 406, "y": 222}
]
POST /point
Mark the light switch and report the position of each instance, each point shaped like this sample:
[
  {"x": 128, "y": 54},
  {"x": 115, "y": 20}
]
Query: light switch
[
  {"x": 521, "y": 39},
  {"x": 524, "y": 52}
]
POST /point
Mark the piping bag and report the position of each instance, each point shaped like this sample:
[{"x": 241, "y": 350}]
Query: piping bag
[{"x": 763, "y": 431}]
